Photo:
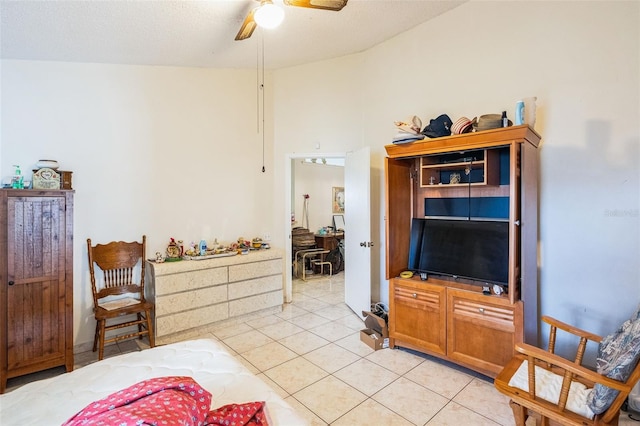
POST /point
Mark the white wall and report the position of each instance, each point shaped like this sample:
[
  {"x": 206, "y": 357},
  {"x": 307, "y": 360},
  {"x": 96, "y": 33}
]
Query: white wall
[
  {"x": 581, "y": 59},
  {"x": 318, "y": 105},
  {"x": 316, "y": 180},
  {"x": 168, "y": 152}
]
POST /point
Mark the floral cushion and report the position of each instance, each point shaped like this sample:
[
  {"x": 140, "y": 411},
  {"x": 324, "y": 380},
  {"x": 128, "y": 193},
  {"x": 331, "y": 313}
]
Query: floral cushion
[{"x": 618, "y": 355}]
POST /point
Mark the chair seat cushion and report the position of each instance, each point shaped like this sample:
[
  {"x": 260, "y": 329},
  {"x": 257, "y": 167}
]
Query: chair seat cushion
[
  {"x": 548, "y": 387},
  {"x": 618, "y": 355}
]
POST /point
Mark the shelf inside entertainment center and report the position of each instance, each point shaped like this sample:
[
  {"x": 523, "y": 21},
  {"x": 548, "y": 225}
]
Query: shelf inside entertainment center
[
  {"x": 487, "y": 176},
  {"x": 476, "y": 168}
]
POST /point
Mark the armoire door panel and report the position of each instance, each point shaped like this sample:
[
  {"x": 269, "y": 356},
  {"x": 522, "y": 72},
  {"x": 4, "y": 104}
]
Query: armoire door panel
[
  {"x": 418, "y": 315},
  {"x": 36, "y": 326},
  {"x": 37, "y": 290}
]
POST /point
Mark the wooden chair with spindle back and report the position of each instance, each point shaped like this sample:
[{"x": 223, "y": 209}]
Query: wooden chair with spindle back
[{"x": 117, "y": 293}]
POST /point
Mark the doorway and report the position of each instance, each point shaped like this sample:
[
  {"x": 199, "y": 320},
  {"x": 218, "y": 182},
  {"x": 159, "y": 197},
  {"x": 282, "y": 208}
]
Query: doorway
[
  {"x": 357, "y": 237},
  {"x": 328, "y": 169}
]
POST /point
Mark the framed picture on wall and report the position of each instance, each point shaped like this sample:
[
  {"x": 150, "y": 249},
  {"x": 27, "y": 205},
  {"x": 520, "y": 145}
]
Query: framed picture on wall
[{"x": 338, "y": 199}]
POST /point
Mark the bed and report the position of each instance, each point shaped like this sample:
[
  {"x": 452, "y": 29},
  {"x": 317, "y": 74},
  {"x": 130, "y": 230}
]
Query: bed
[{"x": 53, "y": 401}]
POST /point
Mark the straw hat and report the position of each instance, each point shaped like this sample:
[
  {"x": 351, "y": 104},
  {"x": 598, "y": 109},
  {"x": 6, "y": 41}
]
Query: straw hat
[{"x": 488, "y": 121}]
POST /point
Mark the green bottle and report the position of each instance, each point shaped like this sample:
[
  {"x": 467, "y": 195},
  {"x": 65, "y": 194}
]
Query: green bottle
[{"x": 17, "y": 181}]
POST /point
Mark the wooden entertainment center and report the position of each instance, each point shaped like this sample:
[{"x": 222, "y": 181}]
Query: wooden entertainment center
[{"x": 489, "y": 175}]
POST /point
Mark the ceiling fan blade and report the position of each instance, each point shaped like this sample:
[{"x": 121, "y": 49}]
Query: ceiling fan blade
[
  {"x": 248, "y": 26},
  {"x": 318, "y": 4}
]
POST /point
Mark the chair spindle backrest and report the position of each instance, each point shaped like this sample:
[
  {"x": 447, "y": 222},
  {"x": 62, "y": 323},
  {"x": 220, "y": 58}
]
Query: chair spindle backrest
[{"x": 118, "y": 277}]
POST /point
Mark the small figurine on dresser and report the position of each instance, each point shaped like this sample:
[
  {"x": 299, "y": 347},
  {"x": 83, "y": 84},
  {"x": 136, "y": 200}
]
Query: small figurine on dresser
[{"x": 174, "y": 251}]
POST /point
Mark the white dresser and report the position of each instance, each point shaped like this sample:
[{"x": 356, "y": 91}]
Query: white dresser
[{"x": 193, "y": 293}]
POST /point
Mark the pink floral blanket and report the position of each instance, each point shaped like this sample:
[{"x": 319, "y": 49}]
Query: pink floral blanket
[{"x": 173, "y": 400}]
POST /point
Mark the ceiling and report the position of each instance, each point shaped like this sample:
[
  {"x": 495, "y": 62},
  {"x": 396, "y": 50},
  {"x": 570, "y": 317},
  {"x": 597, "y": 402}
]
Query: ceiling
[{"x": 199, "y": 33}]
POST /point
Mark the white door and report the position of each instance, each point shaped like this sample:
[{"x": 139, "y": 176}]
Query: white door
[{"x": 357, "y": 237}]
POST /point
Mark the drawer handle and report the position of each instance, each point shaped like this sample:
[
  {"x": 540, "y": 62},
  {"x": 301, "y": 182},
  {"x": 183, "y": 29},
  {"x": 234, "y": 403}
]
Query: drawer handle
[
  {"x": 11, "y": 283},
  {"x": 481, "y": 310},
  {"x": 414, "y": 295}
]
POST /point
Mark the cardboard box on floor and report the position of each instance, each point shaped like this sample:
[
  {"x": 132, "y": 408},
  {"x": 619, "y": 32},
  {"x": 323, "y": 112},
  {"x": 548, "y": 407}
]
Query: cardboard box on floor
[{"x": 376, "y": 335}]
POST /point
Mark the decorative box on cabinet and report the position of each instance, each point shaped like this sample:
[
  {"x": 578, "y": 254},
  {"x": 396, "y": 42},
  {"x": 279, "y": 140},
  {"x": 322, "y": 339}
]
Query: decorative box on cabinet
[
  {"x": 65, "y": 178},
  {"x": 447, "y": 316},
  {"x": 36, "y": 281}
]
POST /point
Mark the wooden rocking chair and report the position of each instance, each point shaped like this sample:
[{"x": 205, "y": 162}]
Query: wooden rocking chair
[{"x": 528, "y": 402}]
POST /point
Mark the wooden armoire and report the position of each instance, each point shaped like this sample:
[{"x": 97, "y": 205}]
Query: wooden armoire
[
  {"x": 488, "y": 176},
  {"x": 36, "y": 281}
]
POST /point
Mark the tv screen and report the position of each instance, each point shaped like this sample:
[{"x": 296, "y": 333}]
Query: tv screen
[{"x": 477, "y": 250}]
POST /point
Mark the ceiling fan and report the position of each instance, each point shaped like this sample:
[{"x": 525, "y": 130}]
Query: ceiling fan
[{"x": 256, "y": 15}]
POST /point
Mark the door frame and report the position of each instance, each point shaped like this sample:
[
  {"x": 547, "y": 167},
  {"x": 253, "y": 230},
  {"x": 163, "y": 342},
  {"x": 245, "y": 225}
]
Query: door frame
[{"x": 288, "y": 179}]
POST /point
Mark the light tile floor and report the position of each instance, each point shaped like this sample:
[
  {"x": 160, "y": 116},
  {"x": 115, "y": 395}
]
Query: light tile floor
[{"x": 311, "y": 354}]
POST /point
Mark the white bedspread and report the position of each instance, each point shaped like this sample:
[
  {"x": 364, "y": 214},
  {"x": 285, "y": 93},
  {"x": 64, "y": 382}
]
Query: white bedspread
[{"x": 53, "y": 401}]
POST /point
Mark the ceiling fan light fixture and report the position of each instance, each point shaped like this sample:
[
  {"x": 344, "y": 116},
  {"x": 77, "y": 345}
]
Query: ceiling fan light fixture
[{"x": 268, "y": 15}]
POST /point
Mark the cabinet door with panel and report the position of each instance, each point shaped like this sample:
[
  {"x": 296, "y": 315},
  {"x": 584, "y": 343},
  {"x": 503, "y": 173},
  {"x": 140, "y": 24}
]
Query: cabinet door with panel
[
  {"x": 36, "y": 269},
  {"x": 482, "y": 331},
  {"x": 418, "y": 315}
]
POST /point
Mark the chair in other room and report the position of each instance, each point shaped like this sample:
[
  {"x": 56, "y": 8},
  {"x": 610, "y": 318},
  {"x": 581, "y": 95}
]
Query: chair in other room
[
  {"x": 546, "y": 386},
  {"x": 118, "y": 292}
]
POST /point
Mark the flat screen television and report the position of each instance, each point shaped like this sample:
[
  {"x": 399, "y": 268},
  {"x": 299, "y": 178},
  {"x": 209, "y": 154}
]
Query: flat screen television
[{"x": 475, "y": 250}]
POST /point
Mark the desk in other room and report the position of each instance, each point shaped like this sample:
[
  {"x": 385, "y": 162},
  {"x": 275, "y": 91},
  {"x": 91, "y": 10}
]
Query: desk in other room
[{"x": 328, "y": 241}]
